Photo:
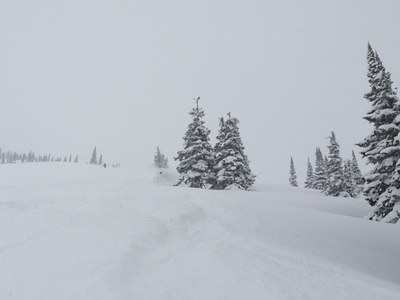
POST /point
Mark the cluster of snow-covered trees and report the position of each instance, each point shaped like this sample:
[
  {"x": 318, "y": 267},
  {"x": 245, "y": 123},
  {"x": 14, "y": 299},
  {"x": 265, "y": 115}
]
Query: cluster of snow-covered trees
[
  {"x": 9, "y": 157},
  {"x": 381, "y": 148},
  {"x": 94, "y": 160},
  {"x": 332, "y": 175},
  {"x": 160, "y": 160},
  {"x": 222, "y": 167},
  {"x": 100, "y": 161}
]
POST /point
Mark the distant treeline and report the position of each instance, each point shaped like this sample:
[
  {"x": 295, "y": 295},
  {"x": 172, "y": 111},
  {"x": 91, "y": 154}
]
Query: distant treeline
[{"x": 10, "y": 157}]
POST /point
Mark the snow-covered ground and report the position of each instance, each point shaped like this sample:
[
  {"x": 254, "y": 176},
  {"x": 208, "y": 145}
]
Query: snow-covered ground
[{"x": 72, "y": 231}]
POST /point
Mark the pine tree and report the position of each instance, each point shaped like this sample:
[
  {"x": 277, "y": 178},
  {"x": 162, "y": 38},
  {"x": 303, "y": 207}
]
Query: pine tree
[
  {"x": 334, "y": 171},
  {"x": 231, "y": 169},
  {"x": 158, "y": 158},
  {"x": 76, "y": 160},
  {"x": 218, "y": 182},
  {"x": 160, "y": 161},
  {"x": 348, "y": 183},
  {"x": 293, "y": 176},
  {"x": 93, "y": 160},
  {"x": 309, "y": 183},
  {"x": 101, "y": 160},
  {"x": 196, "y": 158},
  {"x": 358, "y": 181},
  {"x": 381, "y": 147},
  {"x": 30, "y": 158},
  {"x": 319, "y": 174}
]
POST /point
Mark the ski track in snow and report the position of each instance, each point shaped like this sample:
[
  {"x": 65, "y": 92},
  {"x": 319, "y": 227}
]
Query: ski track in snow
[{"x": 81, "y": 232}]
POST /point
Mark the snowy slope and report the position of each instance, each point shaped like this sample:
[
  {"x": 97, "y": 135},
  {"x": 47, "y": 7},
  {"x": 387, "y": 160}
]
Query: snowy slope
[{"x": 71, "y": 231}]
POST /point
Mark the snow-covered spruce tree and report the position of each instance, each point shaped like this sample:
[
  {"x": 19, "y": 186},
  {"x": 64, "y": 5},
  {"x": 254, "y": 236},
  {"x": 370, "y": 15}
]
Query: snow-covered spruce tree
[
  {"x": 160, "y": 161},
  {"x": 319, "y": 174},
  {"x": 348, "y": 183},
  {"x": 309, "y": 183},
  {"x": 101, "y": 160},
  {"x": 293, "y": 176},
  {"x": 196, "y": 158},
  {"x": 158, "y": 158},
  {"x": 356, "y": 175},
  {"x": 334, "y": 171},
  {"x": 218, "y": 183},
  {"x": 353, "y": 182},
  {"x": 231, "y": 168},
  {"x": 93, "y": 160},
  {"x": 381, "y": 147}
]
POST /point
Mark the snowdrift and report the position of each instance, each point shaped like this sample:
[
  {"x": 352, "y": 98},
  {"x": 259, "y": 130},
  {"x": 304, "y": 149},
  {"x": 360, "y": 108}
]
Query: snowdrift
[{"x": 72, "y": 231}]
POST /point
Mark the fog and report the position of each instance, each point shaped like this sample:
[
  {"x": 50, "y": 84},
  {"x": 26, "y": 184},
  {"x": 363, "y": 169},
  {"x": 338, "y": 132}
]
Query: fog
[{"x": 121, "y": 76}]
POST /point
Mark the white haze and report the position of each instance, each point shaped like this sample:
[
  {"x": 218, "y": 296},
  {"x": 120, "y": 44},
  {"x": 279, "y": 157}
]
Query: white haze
[{"x": 121, "y": 75}]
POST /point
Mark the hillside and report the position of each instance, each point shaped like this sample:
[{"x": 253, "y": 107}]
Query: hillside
[{"x": 72, "y": 231}]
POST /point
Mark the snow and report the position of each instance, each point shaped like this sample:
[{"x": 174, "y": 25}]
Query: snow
[
  {"x": 387, "y": 127},
  {"x": 72, "y": 231}
]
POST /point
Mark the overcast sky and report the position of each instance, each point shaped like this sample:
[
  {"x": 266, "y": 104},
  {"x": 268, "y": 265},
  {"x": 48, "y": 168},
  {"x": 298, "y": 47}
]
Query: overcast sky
[{"x": 122, "y": 75}]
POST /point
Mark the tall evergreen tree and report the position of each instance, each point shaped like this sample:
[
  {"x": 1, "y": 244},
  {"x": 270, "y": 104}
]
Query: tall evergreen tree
[
  {"x": 319, "y": 174},
  {"x": 101, "y": 160},
  {"x": 196, "y": 158},
  {"x": 334, "y": 171},
  {"x": 381, "y": 147},
  {"x": 231, "y": 169},
  {"x": 309, "y": 183},
  {"x": 93, "y": 160},
  {"x": 293, "y": 176}
]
